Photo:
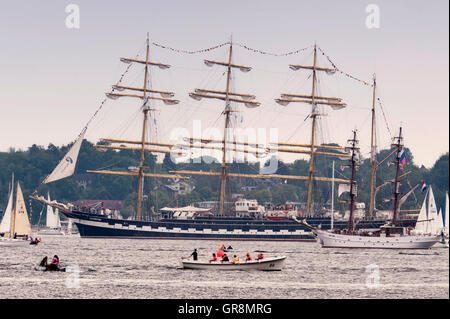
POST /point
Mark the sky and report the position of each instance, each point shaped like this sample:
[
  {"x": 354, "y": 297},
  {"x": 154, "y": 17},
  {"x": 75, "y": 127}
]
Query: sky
[{"x": 54, "y": 76}]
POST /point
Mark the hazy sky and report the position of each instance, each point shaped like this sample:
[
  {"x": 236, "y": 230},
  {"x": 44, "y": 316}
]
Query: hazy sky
[{"x": 53, "y": 78}]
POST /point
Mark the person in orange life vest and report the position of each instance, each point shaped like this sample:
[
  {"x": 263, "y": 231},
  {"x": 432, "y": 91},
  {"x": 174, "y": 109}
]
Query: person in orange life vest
[
  {"x": 214, "y": 259},
  {"x": 260, "y": 257},
  {"x": 248, "y": 258}
]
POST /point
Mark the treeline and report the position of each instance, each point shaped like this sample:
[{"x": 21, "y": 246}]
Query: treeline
[{"x": 31, "y": 166}]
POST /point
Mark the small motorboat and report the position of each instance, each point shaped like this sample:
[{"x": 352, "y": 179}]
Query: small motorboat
[
  {"x": 266, "y": 264},
  {"x": 44, "y": 266},
  {"x": 48, "y": 268}
]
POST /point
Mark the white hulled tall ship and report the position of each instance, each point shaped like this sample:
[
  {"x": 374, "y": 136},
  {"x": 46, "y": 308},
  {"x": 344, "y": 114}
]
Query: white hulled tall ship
[{"x": 389, "y": 236}]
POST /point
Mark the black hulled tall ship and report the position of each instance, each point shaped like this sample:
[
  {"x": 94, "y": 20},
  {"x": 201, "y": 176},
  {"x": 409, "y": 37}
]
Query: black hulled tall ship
[{"x": 222, "y": 224}]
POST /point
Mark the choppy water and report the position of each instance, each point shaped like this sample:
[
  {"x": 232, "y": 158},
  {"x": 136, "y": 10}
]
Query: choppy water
[{"x": 126, "y": 268}]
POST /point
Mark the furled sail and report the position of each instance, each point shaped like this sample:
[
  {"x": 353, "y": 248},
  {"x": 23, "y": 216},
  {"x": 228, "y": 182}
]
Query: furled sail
[
  {"x": 21, "y": 225},
  {"x": 66, "y": 166}
]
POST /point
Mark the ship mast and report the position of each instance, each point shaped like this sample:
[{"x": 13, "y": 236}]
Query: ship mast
[
  {"x": 353, "y": 190},
  {"x": 314, "y": 100},
  {"x": 399, "y": 147},
  {"x": 228, "y": 97},
  {"x": 145, "y": 97},
  {"x": 373, "y": 154},
  {"x": 225, "y": 95}
]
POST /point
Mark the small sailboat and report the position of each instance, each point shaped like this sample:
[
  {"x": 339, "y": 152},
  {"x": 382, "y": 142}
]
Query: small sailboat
[
  {"x": 428, "y": 222},
  {"x": 53, "y": 222},
  {"x": 15, "y": 226}
]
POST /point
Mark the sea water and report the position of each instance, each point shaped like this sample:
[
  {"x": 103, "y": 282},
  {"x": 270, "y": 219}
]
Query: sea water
[{"x": 138, "y": 268}]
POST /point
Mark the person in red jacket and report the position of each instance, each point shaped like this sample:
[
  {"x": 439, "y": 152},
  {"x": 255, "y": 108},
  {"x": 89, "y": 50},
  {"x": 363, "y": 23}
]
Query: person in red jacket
[
  {"x": 248, "y": 258},
  {"x": 214, "y": 259}
]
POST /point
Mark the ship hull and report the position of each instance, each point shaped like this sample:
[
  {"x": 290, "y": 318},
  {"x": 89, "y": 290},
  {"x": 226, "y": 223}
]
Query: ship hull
[
  {"x": 331, "y": 240},
  {"x": 99, "y": 226},
  {"x": 267, "y": 264}
]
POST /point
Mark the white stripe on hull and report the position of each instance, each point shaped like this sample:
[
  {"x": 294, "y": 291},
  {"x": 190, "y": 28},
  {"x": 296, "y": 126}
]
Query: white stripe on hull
[
  {"x": 330, "y": 240},
  {"x": 177, "y": 230}
]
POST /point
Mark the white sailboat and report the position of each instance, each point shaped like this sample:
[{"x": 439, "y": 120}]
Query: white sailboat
[
  {"x": 429, "y": 222},
  {"x": 15, "y": 226},
  {"x": 53, "y": 222}
]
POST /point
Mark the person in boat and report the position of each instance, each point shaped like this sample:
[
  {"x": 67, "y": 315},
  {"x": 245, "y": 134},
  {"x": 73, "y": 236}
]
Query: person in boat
[
  {"x": 214, "y": 258},
  {"x": 248, "y": 257},
  {"x": 235, "y": 259},
  {"x": 260, "y": 257},
  {"x": 54, "y": 265},
  {"x": 225, "y": 258},
  {"x": 194, "y": 254},
  {"x": 223, "y": 247},
  {"x": 43, "y": 262}
]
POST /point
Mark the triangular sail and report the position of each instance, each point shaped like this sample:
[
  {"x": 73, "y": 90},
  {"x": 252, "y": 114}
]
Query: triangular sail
[
  {"x": 5, "y": 226},
  {"x": 433, "y": 214},
  {"x": 66, "y": 166},
  {"x": 422, "y": 221},
  {"x": 21, "y": 225},
  {"x": 52, "y": 216}
]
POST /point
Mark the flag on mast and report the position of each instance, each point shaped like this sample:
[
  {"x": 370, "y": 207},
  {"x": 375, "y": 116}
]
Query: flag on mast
[
  {"x": 402, "y": 158},
  {"x": 66, "y": 166},
  {"x": 424, "y": 186}
]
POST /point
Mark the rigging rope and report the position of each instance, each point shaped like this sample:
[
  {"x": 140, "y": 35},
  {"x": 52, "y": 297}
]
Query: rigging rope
[
  {"x": 384, "y": 116},
  {"x": 342, "y": 72},
  {"x": 190, "y": 52},
  {"x": 269, "y": 53}
]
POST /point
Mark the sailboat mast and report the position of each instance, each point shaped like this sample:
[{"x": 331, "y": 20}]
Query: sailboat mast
[
  {"x": 399, "y": 146},
  {"x": 223, "y": 176},
  {"x": 353, "y": 143},
  {"x": 143, "y": 140},
  {"x": 313, "y": 133},
  {"x": 373, "y": 151}
]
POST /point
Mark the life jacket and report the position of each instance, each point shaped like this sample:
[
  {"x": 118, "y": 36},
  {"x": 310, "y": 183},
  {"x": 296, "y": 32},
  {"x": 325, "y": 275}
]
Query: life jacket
[
  {"x": 214, "y": 258},
  {"x": 249, "y": 258}
]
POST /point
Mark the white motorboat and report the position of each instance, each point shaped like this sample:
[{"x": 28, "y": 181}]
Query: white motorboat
[{"x": 266, "y": 264}]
